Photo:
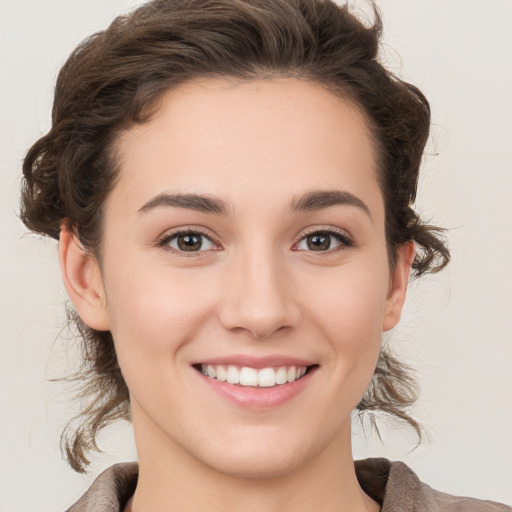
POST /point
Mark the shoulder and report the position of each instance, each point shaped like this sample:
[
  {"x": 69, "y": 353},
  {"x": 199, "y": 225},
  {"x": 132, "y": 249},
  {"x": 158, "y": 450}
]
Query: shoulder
[
  {"x": 393, "y": 484},
  {"x": 399, "y": 489},
  {"x": 110, "y": 491}
]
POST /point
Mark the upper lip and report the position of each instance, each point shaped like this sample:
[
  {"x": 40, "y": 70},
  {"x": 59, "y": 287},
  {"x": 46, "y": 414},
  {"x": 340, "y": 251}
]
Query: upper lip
[{"x": 256, "y": 362}]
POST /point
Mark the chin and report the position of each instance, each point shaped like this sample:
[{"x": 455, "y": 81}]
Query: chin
[
  {"x": 261, "y": 467},
  {"x": 266, "y": 457}
]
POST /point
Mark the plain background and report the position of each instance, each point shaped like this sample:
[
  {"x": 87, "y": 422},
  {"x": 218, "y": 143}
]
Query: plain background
[{"x": 457, "y": 327}]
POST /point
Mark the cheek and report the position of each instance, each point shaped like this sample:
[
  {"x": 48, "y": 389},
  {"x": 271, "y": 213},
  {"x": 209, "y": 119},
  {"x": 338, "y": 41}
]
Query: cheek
[
  {"x": 154, "y": 315},
  {"x": 352, "y": 302},
  {"x": 349, "y": 314},
  {"x": 155, "y": 310}
]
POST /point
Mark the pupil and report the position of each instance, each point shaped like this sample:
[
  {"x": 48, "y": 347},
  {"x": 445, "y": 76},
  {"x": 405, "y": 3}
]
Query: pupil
[
  {"x": 189, "y": 242},
  {"x": 319, "y": 242}
]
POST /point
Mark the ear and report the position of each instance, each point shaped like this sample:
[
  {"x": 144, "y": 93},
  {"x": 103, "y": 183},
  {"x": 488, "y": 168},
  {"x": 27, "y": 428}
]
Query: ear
[
  {"x": 82, "y": 280},
  {"x": 398, "y": 282}
]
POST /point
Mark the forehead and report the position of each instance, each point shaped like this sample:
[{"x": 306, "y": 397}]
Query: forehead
[{"x": 261, "y": 138}]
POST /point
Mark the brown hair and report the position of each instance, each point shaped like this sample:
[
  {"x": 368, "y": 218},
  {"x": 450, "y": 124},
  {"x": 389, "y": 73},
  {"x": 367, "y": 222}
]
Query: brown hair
[{"x": 113, "y": 80}]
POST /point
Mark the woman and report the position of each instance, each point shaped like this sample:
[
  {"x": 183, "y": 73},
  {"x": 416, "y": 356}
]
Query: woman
[{"x": 231, "y": 184}]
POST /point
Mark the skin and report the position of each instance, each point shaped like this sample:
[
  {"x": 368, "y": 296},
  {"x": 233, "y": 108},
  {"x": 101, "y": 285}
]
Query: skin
[{"x": 257, "y": 289}]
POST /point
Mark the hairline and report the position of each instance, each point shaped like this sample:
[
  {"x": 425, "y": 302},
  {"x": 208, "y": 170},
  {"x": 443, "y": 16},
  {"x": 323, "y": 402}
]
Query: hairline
[{"x": 339, "y": 90}]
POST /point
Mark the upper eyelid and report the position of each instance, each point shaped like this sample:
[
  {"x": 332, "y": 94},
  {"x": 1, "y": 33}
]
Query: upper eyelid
[
  {"x": 192, "y": 228},
  {"x": 324, "y": 229}
]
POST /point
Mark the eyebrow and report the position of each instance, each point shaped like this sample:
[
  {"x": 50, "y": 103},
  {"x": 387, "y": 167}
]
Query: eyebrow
[
  {"x": 200, "y": 203},
  {"x": 320, "y": 199},
  {"x": 311, "y": 201}
]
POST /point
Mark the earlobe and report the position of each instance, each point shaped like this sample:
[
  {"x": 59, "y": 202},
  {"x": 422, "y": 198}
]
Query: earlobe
[
  {"x": 398, "y": 286},
  {"x": 82, "y": 280}
]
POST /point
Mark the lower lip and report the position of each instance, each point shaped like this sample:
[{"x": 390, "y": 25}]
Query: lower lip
[{"x": 259, "y": 397}]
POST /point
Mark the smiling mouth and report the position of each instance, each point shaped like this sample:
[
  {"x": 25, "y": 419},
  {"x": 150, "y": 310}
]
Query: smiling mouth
[{"x": 245, "y": 376}]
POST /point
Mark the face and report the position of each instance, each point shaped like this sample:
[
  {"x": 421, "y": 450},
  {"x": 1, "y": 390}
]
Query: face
[{"x": 245, "y": 240}]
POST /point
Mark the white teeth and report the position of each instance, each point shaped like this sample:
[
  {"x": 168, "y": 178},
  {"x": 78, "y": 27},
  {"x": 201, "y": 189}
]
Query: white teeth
[
  {"x": 233, "y": 375},
  {"x": 246, "y": 376},
  {"x": 281, "y": 376},
  {"x": 221, "y": 373},
  {"x": 267, "y": 377}
]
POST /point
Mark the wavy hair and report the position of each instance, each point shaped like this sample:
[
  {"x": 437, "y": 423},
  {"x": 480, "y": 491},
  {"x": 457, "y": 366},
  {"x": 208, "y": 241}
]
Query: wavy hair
[{"x": 114, "y": 79}]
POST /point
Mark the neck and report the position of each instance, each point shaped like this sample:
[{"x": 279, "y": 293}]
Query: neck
[{"x": 172, "y": 479}]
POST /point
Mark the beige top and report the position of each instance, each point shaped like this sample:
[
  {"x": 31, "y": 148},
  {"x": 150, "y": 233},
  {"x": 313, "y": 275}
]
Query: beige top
[{"x": 392, "y": 484}]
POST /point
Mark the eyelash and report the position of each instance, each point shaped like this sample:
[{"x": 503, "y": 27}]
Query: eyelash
[
  {"x": 165, "y": 240},
  {"x": 341, "y": 236}
]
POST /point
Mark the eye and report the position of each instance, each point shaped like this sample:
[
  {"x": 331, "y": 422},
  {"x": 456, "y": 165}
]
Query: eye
[
  {"x": 188, "y": 241},
  {"x": 323, "y": 241}
]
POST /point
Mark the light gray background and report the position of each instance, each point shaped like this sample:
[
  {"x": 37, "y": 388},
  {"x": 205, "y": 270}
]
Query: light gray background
[{"x": 457, "y": 327}]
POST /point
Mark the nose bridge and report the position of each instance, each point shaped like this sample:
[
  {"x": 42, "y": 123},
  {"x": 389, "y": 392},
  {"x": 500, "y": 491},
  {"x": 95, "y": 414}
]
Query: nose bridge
[{"x": 259, "y": 298}]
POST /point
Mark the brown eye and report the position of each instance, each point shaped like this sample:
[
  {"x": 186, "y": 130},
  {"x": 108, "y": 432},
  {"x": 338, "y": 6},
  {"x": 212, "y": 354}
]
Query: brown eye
[
  {"x": 189, "y": 242},
  {"x": 323, "y": 241},
  {"x": 318, "y": 242}
]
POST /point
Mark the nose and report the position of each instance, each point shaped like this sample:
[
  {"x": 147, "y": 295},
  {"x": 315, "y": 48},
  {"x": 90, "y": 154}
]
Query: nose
[{"x": 259, "y": 297}]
